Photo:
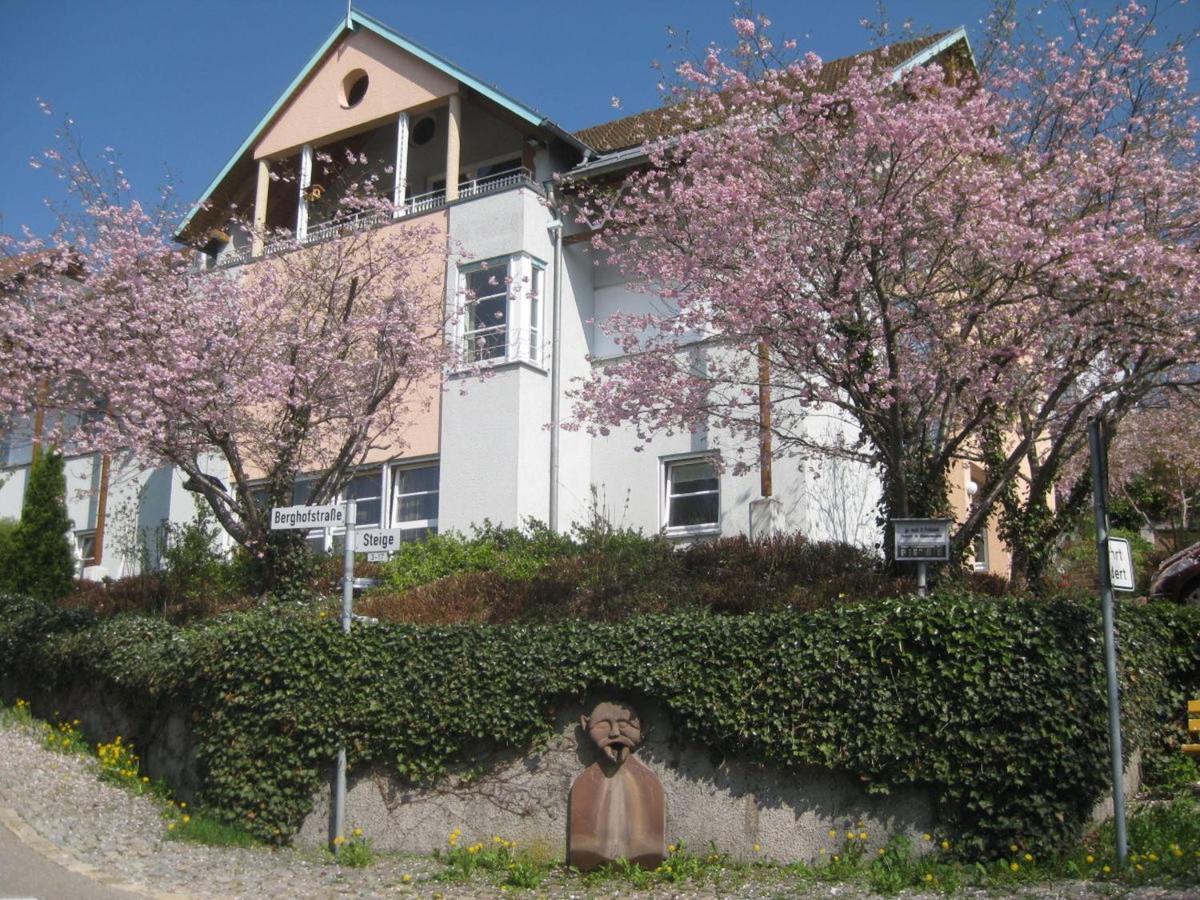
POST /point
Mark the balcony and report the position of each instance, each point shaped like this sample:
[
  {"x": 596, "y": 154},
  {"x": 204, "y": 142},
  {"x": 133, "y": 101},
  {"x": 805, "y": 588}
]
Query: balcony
[{"x": 355, "y": 222}]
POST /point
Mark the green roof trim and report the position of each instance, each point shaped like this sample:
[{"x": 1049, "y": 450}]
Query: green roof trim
[{"x": 356, "y": 18}]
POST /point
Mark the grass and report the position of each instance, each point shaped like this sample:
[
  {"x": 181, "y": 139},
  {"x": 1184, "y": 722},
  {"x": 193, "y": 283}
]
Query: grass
[{"x": 198, "y": 828}]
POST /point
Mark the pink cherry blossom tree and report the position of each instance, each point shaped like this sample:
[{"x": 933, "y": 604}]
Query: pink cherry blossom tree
[
  {"x": 302, "y": 362},
  {"x": 962, "y": 267}
]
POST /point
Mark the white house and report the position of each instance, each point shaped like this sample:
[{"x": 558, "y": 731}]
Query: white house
[{"x": 492, "y": 451}]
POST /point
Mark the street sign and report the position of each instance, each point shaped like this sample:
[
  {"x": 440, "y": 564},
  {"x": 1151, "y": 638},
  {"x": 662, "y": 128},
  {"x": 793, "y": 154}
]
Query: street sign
[
  {"x": 1120, "y": 565},
  {"x": 308, "y": 517},
  {"x": 377, "y": 540},
  {"x": 922, "y": 540}
]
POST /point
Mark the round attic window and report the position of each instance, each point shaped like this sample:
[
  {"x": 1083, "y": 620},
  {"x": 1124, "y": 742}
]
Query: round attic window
[
  {"x": 422, "y": 132},
  {"x": 354, "y": 88}
]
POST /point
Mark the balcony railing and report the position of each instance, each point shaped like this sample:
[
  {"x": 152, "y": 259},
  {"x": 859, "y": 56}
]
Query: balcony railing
[{"x": 361, "y": 221}]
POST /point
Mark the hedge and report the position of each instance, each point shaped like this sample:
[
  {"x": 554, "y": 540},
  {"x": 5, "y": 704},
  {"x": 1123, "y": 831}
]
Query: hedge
[{"x": 995, "y": 706}]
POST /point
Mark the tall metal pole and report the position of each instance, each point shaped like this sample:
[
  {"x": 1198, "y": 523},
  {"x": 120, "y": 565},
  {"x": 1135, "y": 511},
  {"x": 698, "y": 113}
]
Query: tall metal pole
[
  {"x": 922, "y": 580},
  {"x": 339, "y": 780},
  {"x": 1100, "y": 500}
]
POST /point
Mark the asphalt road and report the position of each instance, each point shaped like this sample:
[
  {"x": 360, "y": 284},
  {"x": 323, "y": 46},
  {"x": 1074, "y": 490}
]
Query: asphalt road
[{"x": 25, "y": 873}]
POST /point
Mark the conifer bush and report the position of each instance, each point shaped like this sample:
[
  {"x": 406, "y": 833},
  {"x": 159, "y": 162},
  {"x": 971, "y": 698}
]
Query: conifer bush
[{"x": 41, "y": 559}]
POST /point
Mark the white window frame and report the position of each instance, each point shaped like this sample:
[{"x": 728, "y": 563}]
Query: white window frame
[
  {"x": 666, "y": 464},
  {"x": 393, "y": 497},
  {"x": 82, "y": 535},
  {"x": 524, "y": 311},
  {"x": 982, "y": 562}
]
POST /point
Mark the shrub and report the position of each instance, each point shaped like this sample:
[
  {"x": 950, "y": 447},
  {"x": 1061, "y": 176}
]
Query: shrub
[
  {"x": 8, "y": 533},
  {"x": 43, "y": 561},
  {"x": 997, "y": 707},
  {"x": 510, "y": 552},
  {"x": 603, "y": 574}
]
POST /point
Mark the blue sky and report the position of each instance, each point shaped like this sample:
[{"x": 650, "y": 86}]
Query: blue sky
[{"x": 178, "y": 84}]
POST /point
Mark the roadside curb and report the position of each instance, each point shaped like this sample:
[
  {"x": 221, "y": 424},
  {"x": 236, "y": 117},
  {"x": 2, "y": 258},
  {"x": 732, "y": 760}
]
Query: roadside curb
[{"x": 28, "y": 836}]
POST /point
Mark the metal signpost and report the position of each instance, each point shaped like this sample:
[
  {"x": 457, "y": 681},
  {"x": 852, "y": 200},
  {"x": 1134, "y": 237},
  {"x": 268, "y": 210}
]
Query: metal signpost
[
  {"x": 307, "y": 518},
  {"x": 921, "y": 541},
  {"x": 1105, "y": 547}
]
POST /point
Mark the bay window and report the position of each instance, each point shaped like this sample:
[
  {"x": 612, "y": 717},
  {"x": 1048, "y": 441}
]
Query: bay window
[{"x": 501, "y": 309}]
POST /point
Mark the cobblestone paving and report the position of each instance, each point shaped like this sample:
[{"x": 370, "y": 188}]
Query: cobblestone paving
[{"x": 59, "y": 807}]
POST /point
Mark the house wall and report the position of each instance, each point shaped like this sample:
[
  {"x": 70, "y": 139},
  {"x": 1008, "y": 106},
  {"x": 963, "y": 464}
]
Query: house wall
[
  {"x": 495, "y": 449},
  {"x": 398, "y": 81}
]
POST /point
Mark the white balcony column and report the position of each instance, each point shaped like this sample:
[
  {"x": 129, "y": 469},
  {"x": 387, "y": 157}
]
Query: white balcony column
[
  {"x": 452, "y": 147},
  {"x": 261, "y": 188},
  {"x": 306, "y": 161},
  {"x": 401, "y": 163}
]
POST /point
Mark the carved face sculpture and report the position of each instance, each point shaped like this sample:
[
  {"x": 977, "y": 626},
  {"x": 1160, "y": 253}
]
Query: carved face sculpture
[{"x": 615, "y": 728}]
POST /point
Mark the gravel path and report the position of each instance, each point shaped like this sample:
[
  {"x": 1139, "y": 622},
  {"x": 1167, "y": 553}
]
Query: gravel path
[{"x": 57, "y": 807}]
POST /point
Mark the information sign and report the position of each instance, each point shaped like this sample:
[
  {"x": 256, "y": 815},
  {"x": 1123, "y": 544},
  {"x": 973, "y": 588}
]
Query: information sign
[
  {"x": 308, "y": 517},
  {"x": 1120, "y": 565},
  {"x": 922, "y": 540},
  {"x": 377, "y": 540},
  {"x": 378, "y": 557}
]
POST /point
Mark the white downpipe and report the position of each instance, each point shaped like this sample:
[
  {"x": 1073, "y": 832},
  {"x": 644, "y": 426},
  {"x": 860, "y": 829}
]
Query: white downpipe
[{"x": 555, "y": 372}]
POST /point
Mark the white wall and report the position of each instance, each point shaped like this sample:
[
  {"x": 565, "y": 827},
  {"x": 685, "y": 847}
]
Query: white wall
[{"x": 495, "y": 449}]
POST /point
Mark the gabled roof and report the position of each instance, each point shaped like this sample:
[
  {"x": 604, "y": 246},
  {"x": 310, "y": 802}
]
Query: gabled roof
[
  {"x": 631, "y": 131},
  {"x": 356, "y": 19}
]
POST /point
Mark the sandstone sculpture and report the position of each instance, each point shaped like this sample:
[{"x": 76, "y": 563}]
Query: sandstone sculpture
[{"x": 616, "y": 809}]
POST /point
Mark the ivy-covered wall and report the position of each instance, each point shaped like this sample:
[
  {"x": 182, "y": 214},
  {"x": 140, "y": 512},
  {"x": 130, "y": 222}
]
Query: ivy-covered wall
[{"x": 997, "y": 708}]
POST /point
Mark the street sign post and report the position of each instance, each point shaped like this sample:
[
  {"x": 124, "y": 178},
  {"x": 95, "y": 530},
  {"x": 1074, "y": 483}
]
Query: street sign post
[
  {"x": 1120, "y": 565},
  {"x": 1098, "y": 445},
  {"x": 308, "y": 518},
  {"x": 921, "y": 541}
]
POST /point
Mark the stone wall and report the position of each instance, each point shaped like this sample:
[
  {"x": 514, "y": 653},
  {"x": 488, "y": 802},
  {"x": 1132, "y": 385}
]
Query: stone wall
[
  {"x": 161, "y": 736},
  {"x": 724, "y": 803}
]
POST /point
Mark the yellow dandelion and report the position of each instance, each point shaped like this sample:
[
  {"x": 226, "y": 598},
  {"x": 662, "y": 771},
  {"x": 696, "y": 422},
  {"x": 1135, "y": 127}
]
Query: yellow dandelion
[
  {"x": 1028, "y": 857},
  {"x": 339, "y": 840},
  {"x": 406, "y": 878},
  {"x": 758, "y": 848},
  {"x": 862, "y": 835},
  {"x": 171, "y": 826},
  {"x": 821, "y": 852},
  {"x": 671, "y": 848},
  {"x": 1140, "y": 867},
  {"x": 832, "y": 833},
  {"x": 927, "y": 836},
  {"x": 358, "y": 832},
  {"x": 929, "y": 876},
  {"x": 186, "y": 819},
  {"x": 1016, "y": 867},
  {"x": 849, "y": 835},
  {"x": 1153, "y": 857},
  {"x": 1090, "y": 858},
  {"x": 1012, "y": 848},
  {"x": 836, "y": 858},
  {"x": 1175, "y": 851},
  {"x": 1107, "y": 869}
]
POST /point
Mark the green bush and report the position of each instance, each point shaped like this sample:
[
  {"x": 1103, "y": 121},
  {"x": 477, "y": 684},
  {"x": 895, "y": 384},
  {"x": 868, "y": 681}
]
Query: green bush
[
  {"x": 605, "y": 574},
  {"x": 510, "y": 552},
  {"x": 8, "y": 561},
  {"x": 42, "y": 561},
  {"x": 997, "y": 707}
]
